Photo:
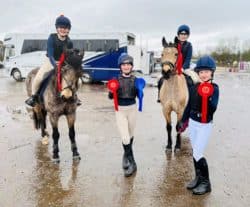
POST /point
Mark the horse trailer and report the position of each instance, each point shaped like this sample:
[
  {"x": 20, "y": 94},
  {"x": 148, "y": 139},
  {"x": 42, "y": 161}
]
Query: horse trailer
[{"x": 23, "y": 52}]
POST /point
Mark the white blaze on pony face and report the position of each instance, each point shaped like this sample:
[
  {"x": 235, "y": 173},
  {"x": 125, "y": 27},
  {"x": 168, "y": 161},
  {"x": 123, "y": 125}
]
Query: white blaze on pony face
[
  {"x": 205, "y": 75},
  {"x": 66, "y": 93},
  {"x": 169, "y": 54},
  {"x": 69, "y": 83}
]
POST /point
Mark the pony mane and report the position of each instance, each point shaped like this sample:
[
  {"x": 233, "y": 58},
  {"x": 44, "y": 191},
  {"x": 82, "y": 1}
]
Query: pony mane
[{"x": 74, "y": 60}]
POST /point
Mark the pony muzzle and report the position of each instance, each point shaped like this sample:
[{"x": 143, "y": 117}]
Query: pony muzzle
[
  {"x": 66, "y": 93},
  {"x": 167, "y": 66}
]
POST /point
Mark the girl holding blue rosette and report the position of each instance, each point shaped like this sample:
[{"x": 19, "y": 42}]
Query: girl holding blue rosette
[{"x": 125, "y": 89}]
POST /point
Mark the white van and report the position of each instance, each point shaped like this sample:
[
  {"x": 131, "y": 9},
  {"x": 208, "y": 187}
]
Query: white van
[{"x": 19, "y": 66}]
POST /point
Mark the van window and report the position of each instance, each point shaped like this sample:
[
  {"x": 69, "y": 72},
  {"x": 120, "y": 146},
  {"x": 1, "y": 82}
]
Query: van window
[
  {"x": 34, "y": 45},
  {"x": 131, "y": 40},
  {"x": 1, "y": 52},
  {"x": 10, "y": 51},
  {"x": 96, "y": 45},
  {"x": 88, "y": 45}
]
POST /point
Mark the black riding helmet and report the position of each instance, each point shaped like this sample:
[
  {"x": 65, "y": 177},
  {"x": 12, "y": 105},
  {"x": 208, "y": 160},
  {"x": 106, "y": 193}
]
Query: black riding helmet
[{"x": 63, "y": 22}]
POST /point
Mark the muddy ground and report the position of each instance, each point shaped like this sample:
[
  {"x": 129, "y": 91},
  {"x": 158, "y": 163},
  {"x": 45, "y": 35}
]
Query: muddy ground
[{"x": 28, "y": 177}]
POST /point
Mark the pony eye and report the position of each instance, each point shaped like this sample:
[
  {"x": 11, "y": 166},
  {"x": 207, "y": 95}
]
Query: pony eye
[{"x": 176, "y": 54}]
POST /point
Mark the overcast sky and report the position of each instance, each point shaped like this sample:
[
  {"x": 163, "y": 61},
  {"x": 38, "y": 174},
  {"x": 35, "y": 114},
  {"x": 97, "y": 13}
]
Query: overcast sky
[{"x": 210, "y": 21}]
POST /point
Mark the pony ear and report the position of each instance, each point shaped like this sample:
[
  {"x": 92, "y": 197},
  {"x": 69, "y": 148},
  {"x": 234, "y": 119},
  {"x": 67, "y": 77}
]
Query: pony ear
[
  {"x": 176, "y": 41},
  {"x": 164, "y": 42},
  {"x": 76, "y": 50},
  {"x": 81, "y": 53}
]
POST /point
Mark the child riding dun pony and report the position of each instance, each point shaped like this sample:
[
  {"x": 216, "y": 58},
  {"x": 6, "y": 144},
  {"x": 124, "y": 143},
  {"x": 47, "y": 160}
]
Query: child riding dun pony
[{"x": 174, "y": 91}]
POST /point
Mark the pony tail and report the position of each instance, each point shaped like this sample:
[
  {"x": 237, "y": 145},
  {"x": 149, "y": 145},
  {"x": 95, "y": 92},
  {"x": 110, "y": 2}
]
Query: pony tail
[
  {"x": 39, "y": 117},
  {"x": 36, "y": 120}
]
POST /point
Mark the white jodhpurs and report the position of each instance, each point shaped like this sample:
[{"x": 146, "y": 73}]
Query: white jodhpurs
[
  {"x": 41, "y": 74},
  {"x": 199, "y": 134},
  {"x": 126, "y": 120}
]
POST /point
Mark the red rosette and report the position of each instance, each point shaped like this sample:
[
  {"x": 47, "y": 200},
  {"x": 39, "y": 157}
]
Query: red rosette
[
  {"x": 113, "y": 86},
  {"x": 205, "y": 90}
]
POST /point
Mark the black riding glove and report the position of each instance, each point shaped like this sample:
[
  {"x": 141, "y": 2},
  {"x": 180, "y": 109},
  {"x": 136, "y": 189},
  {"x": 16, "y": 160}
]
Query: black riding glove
[{"x": 110, "y": 95}]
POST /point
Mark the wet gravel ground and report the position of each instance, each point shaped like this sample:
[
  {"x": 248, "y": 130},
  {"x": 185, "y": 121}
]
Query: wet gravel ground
[{"x": 28, "y": 177}]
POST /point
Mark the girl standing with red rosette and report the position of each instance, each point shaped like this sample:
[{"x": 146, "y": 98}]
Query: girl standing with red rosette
[
  {"x": 124, "y": 91},
  {"x": 198, "y": 114}
]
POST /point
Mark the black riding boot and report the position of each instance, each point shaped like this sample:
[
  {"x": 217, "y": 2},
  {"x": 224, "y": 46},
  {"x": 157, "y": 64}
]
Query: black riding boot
[
  {"x": 160, "y": 82},
  {"x": 194, "y": 183},
  {"x": 129, "y": 164},
  {"x": 125, "y": 161},
  {"x": 204, "y": 182},
  {"x": 32, "y": 100},
  {"x": 158, "y": 99}
]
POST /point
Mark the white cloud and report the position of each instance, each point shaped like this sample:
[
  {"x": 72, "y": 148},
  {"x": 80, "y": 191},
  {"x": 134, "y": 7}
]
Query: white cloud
[{"x": 210, "y": 20}]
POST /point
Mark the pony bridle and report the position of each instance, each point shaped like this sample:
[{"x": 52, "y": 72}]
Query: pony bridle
[
  {"x": 170, "y": 64},
  {"x": 69, "y": 86}
]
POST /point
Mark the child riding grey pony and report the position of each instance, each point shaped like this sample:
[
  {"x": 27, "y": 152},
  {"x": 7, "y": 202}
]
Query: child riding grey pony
[{"x": 56, "y": 44}]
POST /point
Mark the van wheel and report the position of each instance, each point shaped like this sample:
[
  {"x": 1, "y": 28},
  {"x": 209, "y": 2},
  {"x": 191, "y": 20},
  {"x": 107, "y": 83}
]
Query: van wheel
[
  {"x": 17, "y": 75},
  {"x": 86, "y": 78}
]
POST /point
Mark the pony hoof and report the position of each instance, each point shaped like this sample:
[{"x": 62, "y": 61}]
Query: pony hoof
[
  {"x": 177, "y": 149},
  {"x": 76, "y": 158},
  {"x": 45, "y": 140},
  {"x": 56, "y": 160},
  {"x": 168, "y": 149}
]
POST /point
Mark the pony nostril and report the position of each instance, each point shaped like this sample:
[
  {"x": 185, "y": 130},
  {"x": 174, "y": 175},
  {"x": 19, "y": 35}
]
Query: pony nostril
[{"x": 62, "y": 97}]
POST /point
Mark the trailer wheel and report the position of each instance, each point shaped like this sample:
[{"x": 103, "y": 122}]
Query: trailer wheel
[
  {"x": 86, "y": 78},
  {"x": 16, "y": 74}
]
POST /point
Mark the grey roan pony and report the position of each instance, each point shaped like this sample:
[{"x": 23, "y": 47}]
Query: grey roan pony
[{"x": 56, "y": 104}]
